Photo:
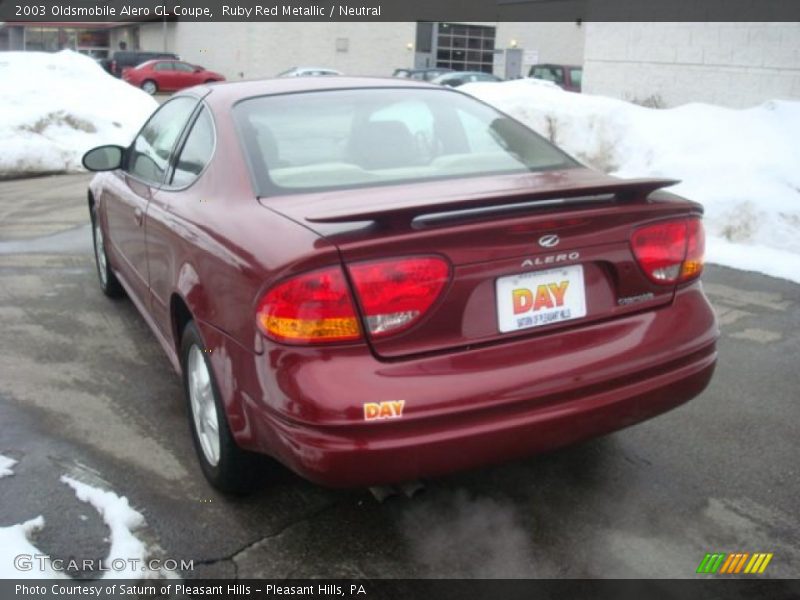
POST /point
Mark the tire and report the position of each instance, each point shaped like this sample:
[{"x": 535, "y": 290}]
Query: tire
[
  {"x": 108, "y": 281},
  {"x": 150, "y": 86},
  {"x": 227, "y": 467}
]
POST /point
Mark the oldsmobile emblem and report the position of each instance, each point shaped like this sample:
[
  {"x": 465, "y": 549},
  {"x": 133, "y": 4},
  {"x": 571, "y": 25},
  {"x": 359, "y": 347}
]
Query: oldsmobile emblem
[{"x": 549, "y": 241}]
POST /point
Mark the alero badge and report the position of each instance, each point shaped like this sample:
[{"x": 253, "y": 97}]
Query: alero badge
[{"x": 392, "y": 409}]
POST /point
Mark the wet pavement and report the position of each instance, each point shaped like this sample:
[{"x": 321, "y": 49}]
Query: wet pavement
[{"x": 85, "y": 390}]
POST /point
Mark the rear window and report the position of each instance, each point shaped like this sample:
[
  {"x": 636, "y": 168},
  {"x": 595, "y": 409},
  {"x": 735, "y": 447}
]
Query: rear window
[{"x": 316, "y": 141}]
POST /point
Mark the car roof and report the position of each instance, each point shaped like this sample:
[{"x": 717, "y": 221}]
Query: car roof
[
  {"x": 144, "y": 53},
  {"x": 557, "y": 65},
  {"x": 304, "y": 69},
  {"x": 153, "y": 61},
  {"x": 231, "y": 91},
  {"x": 457, "y": 73}
]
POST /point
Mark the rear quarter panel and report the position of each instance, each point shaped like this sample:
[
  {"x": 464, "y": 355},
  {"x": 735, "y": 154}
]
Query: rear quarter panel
[{"x": 217, "y": 248}]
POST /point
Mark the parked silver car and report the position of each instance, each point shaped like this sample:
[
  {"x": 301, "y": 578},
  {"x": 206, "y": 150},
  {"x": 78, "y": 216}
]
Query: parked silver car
[{"x": 309, "y": 72}]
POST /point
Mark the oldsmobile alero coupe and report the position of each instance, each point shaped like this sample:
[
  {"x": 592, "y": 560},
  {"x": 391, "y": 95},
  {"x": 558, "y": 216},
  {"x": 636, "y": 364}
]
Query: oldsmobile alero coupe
[{"x": 375, "y": 281}]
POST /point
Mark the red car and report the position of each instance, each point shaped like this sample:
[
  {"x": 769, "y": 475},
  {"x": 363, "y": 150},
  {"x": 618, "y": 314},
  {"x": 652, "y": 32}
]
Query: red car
[
  {"x": 168, "y": 75},
  {"x": 375, "y": 281}
]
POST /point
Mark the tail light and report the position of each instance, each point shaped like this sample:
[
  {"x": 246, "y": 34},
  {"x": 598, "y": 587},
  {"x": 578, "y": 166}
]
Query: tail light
[
  {"x": 313, "y": 307},
  {"x": 671, "y": 251},
  {"x": 695, "y": 250},
  {"x": 395, "y": 294},
  {"x": 317, "y": 307}
]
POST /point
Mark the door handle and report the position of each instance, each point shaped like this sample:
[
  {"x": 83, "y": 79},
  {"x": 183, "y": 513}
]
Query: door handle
[{"x": 138, "y": 215}]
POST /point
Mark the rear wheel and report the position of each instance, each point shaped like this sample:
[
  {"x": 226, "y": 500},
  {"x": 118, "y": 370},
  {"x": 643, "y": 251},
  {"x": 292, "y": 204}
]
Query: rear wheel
[
  {"x": 108, "y": 281},
  {"x": 226, "y": 466},
  {"x": 150, "y": 86}
]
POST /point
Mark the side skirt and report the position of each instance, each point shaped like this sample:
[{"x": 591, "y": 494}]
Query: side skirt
[{"x": 165, "y": 345}]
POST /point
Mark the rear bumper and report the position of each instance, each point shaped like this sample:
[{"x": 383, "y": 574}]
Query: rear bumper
[{"x": 472, "y": 408}]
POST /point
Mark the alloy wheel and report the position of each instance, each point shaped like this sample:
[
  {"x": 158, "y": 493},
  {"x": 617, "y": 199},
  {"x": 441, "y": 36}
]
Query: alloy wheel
[
  {"x": 204, "y": 410},
  {"x": 100, "y": 254}
]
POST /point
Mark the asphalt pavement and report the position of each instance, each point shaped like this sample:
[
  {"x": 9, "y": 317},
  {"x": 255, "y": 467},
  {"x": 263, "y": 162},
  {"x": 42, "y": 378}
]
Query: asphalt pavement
[{"x": 86, "y": 391}]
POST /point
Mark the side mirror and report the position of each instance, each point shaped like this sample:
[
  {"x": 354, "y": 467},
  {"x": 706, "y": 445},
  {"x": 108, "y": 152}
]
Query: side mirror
[
  {"x": 198, "y": 69},
  {"x": 103, "y": 158}
]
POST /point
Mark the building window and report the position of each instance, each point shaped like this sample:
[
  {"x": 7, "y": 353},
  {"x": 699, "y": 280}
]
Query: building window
[
  {"x": 465, "y": 47},
  {"x": 94, "y": 43}
]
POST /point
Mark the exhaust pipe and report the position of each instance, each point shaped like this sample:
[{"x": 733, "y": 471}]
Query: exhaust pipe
[
  {"x": 412, "y": 488},
  {"x": 409, "y": 489},
  {"x": 382, "y": 492}
]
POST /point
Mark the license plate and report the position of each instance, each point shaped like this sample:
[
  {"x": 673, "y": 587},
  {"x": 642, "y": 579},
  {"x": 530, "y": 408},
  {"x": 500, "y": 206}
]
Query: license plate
[{"x": 540, "y": 298}]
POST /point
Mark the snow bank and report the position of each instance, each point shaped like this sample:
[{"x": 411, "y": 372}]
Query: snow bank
[
  {"x": 742, "y": 165},
  {"x": 57, "y": 106},
  {"x": 5, "y": 466}
]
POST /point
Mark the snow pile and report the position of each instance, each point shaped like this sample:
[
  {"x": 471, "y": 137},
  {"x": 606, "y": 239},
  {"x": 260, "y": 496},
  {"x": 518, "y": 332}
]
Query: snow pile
[
  {"x": 742, "y": 165},
  {"x": 127, "y": 554},
  {"x": 126, "y": 549},
  {"x": 55, "y": 107},
  {"x": 15, "y": 540},
  {"x": 5, "y": 466}
]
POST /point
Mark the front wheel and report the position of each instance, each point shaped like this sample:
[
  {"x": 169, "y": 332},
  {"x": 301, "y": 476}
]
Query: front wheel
[
  {"x": 150, "y": 86},
  {"x": 108, "y": 281},
  {"x": 226, "y": 466}
]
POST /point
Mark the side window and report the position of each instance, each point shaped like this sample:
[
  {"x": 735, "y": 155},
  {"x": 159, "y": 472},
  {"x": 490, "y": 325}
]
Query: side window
[
  {"x": 148, "y": 156},
  {"x": 575, "y": 75},
  {"x": 183, "y": 67},
  {"x": 196, "y": 151},
  {"x": 164, "y": 66},
  {"x": 554, "y": 74}
]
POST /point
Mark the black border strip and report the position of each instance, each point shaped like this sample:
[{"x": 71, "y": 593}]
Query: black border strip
[
  {"x": 707, "y": 588},
  {"x": 41, "y": 11}
]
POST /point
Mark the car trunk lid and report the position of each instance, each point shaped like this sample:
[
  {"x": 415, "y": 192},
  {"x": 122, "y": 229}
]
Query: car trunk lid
[{"x": 530, "y": 253}]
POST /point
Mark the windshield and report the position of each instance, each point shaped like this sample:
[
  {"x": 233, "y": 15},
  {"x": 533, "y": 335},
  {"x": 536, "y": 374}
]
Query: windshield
[{"x": 316, "y": 141}]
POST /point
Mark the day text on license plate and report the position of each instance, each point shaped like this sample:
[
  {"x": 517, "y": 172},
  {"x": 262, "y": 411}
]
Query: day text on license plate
[{"x": 540, "y": 298}]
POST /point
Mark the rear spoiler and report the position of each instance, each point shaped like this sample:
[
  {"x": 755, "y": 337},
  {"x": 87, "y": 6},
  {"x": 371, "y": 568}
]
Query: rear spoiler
[{"x": 405, "y": 211}]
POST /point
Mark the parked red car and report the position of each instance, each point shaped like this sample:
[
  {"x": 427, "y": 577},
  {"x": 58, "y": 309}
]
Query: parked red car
[
  {"x": 375, "y": 281},
  {"x": 168, "y": 76}
]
